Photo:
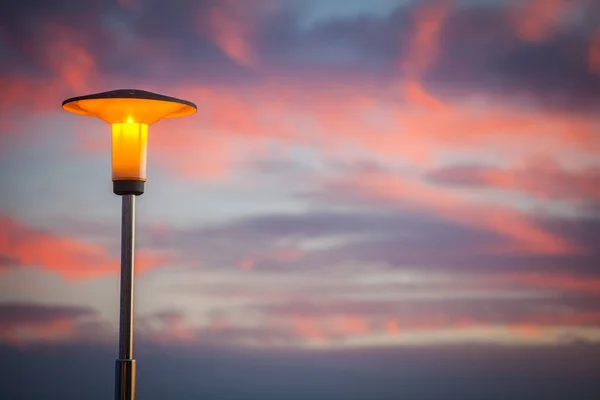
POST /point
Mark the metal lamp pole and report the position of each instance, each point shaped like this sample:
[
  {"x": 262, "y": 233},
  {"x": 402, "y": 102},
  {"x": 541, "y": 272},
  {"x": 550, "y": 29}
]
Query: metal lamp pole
[
  {"x": 130, "y": 112},
  {"x": 125, "y": 368},
  {"x": 128, "y": 189}
]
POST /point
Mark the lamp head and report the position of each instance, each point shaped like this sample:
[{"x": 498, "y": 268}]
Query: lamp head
[{"x": 130, "y": 112}]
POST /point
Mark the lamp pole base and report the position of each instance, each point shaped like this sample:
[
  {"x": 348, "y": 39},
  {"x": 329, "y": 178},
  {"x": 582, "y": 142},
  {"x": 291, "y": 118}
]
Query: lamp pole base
[{"x": 125, "y": 378}]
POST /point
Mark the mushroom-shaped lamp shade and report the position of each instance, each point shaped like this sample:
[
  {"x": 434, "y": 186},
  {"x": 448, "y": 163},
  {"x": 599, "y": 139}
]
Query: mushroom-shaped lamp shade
[{"x": 130, "y": 112}]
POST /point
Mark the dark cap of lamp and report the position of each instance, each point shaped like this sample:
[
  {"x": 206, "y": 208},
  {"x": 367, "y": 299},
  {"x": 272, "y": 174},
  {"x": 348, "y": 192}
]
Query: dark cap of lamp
[{"x": 130, "y": 112}]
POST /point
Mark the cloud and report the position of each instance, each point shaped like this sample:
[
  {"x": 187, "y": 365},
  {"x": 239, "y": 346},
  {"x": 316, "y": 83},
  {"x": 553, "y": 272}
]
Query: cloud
[
  {"x": 341, "y": 119},
  {"x": 424, "y": 41},
  {"x": 68, "y": 257},
  {"x": 395, "y": 190},
  {"x": 377, "y": 230},
  {"x": 71, "y": 258},
  {"x": 544, "y": 179},
  {"x": 422, "y": 90},
  {"x": 336, "y": 331},
  {"x": 280, "y": 256},
  {"x": 130, "y": 4},
  {"x": 565, "y": 282},
  {"x": 481, "y": 55},
  {"x": 418, "y": 34},
  {"x": 275, "y": 104},
  {"x": 73, "y": 64},
  {"x": 536, "y": 20},
  {"x": 166, "y": 326},
  {"x": 7, "y": 262},
  {"x": 594, "y": 53},
  {"x": 351, "y": 306},
  {"x": 23, "y": 323},
  {"x": 233, "y": 27},
  {"x": 314, "y": 240},
  {"x": 33, "y": 313}
]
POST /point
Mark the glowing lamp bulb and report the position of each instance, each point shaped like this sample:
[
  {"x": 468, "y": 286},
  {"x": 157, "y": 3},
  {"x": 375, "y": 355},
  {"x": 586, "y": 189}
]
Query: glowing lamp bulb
[
  {"x": 130, "y": 112},
  {"x": 129, "y": 143}
]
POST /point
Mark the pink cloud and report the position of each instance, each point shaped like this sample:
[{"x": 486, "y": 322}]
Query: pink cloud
[
  {"x": 71, "y": 258},
  {"x": 308, "y": 328},
  {"x": 234, "y": 123},
  {"x": 47, "y": 331},
  {"x": 397, "y": 190},
  {"x": 21, "y": 324},
  {"x": 353, "y": 325},
  {"x": 167, "y": 326},
  {"x": 218, "y": 324},
  {"x": 423, "y": 48},
  {"x": 559, "y": 281},
  {"x": 423, "y": 44},
  {"x": 418, "y": 96},
  {"x": 536, "y": 20},
  {"x": 231, "y": 38},
  {"x": 392, "y": 327},
  {"x": 232, "y": 25},
  {"x": 65, "y": 55},
  {"x": 542, "y": 178},
  {"x": 339, "y": 119},
  {"x": 323, "y": 329}
]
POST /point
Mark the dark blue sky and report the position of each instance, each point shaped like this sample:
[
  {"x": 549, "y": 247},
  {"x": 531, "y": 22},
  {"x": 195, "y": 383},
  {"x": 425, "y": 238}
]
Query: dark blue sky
[{"x": 471, "y": 372}]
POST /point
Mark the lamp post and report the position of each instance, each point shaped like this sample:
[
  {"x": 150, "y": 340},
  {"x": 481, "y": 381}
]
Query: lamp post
[{"x": 130, "y": 112}]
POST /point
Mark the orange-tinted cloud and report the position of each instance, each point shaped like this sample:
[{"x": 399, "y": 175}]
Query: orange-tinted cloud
[{"x": 69, "y": 257}]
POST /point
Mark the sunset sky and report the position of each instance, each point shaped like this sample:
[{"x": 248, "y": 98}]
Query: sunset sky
[{"x": 377, "y": 199}]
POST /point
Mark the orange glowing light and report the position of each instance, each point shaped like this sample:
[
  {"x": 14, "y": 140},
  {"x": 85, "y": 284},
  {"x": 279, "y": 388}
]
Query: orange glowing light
[
  {"x": 129, "y": 142},
  {"x": 130, "y": 112}
]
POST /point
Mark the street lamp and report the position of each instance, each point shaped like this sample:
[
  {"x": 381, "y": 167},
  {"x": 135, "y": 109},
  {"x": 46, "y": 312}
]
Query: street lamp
[{"x": 130, "y": 112}]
